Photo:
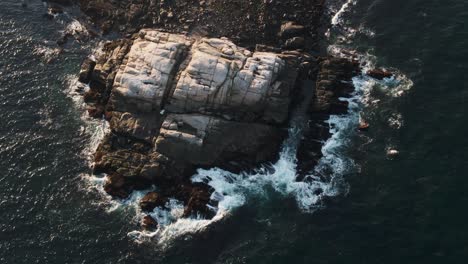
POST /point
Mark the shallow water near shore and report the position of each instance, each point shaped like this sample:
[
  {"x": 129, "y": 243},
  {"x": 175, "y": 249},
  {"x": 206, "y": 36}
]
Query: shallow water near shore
[{"x": 410, "y": 209}]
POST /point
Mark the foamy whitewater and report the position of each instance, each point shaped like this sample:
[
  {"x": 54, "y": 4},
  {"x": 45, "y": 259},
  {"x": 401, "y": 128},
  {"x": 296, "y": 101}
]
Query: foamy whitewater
[{"x": 233, "y": 190}]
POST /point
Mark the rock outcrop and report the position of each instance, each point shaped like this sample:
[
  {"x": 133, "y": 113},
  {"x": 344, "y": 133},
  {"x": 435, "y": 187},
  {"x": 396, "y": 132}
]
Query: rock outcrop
[
  {"x": 334, "y": 80},
  {"x": 379, "y": 74},
  {"x": 184, "y": 97},
  {"x": 177, "y": 103}
]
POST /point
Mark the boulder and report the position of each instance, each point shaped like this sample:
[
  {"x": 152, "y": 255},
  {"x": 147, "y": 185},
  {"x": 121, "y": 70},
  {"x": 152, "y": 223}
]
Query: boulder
[
  {"x": 152, "y": 200},
  {"x": 148, "y": 223},
  {"x": 117, "y": 186},
  {"x": 379, "y": 74},
  {"x": 197, "y": 204},
  {"x": 295, "y": 43},
  {"x": 291, "y": 29},
  {"x": 87, "y": 68}
]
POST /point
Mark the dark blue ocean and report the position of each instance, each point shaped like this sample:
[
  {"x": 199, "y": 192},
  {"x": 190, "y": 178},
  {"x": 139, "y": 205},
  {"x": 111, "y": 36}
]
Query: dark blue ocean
[{"x": 408, "y": 209}]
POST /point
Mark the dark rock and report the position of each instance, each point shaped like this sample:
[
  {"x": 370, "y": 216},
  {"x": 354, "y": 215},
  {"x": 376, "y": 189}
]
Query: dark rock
[
  {"x": 55, "y": 9},
  {"x": 87, "y": 68},
  {"x": 333, "y": 81},
  {"x": 63, "y": 40},
  {"x": 148, "y": 223},
  {"x": 295, "y": 43},
  {"x": 290, "y": 29},
  {"x": 207, "y": 141},
  {"x": 151, "y": 201},
  {"x": 48, "y": 16},
  {"x": 233, "y": 19},
  {"x": 117, "y": 186},
  {"x": 379, "y": 74},
  {"x": 197, "y": 204},
  {"x": 141, "y": 126},
  {"x": 95, "y": 111}
]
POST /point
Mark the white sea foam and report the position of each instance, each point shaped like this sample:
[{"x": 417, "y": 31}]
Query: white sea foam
[{"x": 337, "y": 18}]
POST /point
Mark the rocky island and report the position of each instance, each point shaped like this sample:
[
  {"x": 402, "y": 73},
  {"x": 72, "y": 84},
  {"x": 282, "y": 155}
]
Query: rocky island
[{"x": 201, "y": 84}]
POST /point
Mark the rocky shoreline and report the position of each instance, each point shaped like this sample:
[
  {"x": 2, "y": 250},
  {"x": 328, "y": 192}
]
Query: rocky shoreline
[{"x": 202, "y": 84}]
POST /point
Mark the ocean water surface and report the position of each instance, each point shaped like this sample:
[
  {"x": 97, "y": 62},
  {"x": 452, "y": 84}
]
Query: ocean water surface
[{"x": 373, "y": 209}]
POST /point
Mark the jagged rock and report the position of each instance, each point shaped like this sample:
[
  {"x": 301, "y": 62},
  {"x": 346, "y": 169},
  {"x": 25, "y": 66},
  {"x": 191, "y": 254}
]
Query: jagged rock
[
  {"x": 141, "y": 126},
  {"x": 123, "y": 156},
  {"x": 95, "y": 111},
  {"x": 87, "y": 68},
  {"x": 152, "y": 200},
  {"x": 197, "y": 204},
  {"x": 290, "y": 29},
  {"x": 379, "y": 74},
  {"x": 103, "y": 73},
  {"x": 334, "y": 80},
  {"x": 148, "y": 223},
  {"x": 117, "y": 186}
]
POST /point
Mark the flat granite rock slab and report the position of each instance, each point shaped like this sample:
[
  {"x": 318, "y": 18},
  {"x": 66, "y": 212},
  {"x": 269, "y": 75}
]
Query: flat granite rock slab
[
  {"x": 142, "y": 83},
  {"x": 224, "y": 79}
]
